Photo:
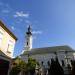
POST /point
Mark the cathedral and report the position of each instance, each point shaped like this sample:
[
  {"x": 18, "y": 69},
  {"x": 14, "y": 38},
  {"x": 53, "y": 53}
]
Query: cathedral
[{"x": 45, "y": 54}]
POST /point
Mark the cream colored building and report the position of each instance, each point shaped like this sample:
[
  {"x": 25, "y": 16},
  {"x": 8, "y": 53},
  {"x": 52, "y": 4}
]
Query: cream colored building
[
  {"x": 7, "y": 44},
  {"x": 7, "y": 40}
]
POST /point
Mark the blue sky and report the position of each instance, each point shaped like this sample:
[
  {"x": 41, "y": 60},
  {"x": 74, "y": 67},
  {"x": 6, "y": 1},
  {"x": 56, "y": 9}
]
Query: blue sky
[{"x": 53, "y": 21}]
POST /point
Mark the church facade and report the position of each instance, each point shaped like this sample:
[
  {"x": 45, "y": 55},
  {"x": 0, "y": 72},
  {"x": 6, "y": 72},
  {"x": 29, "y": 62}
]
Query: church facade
[{"x": 64, "y": 53}]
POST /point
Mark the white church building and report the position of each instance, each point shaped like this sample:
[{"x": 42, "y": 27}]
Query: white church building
[{"x": 64, "y": 53}]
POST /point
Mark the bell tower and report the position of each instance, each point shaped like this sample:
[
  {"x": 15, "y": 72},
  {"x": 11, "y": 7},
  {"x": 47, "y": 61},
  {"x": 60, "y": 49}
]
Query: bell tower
[{"x": 28, "y": 43}]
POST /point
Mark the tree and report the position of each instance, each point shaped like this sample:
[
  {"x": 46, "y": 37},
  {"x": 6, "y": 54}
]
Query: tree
[
  {"x": 31, "y": 65},
  {"x": 73, "y": 67},
  {"x": 23, "y": 67},
  {"x": 52, "y": 67},
  {"x": 18, "y": 66},
  {"x": 55, "y": 68},
  {"x": 59, "y": 67}
]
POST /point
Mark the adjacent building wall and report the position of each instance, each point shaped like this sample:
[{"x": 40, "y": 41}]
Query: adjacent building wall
[{"x": 7, "y": 42}]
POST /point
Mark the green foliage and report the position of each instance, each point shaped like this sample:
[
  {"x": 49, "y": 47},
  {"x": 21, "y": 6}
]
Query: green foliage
[
  {"x": 21, "y": 66},
  {"x": 31, "y": 64},
  {"x": 18, "y": 66},
  {"x": 15, "y": 70}
]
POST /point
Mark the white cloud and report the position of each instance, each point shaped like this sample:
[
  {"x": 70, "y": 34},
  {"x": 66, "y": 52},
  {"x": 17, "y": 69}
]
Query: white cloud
[
  {"x": 37, "y": 32},
  {"x": 21, "y": 14},
  {"x": 12, "y": 27}
]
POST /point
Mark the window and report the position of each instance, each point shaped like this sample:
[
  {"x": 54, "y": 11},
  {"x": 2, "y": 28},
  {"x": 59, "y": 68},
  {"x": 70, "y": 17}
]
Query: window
[
  {"x": 1, "y": 36},
  {"x": 27, "y": 43},
  {"x": 10, "y": 47}
]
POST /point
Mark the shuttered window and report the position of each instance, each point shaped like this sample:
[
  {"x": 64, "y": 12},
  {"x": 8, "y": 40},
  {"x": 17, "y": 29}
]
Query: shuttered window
[
  {"x": 1, "y": 36},
  {"x": 10, "y": 46}
]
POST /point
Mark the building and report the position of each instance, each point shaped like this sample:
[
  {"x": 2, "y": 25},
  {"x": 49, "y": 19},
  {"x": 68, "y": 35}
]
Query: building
[
  {"x": 64, "y": 53},
  {"x": 7, "y": 44}
]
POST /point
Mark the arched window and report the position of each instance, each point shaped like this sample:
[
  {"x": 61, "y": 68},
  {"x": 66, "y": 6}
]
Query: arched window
[
  {"x": 42, "y": 63},
  {"x": 48, "y": 63},
  {"x": 63, "y": 63}
]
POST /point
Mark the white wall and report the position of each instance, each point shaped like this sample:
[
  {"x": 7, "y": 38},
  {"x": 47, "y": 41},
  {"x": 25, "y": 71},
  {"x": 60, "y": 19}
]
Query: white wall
[{"x": 47, "y": 57}]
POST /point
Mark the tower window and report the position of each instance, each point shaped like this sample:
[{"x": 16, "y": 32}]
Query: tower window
[{"x": 27, "y": 43}]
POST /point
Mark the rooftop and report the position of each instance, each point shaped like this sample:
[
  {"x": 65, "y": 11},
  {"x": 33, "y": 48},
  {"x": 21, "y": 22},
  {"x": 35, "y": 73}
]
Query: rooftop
[
  {"x": 9, "y": 32},
  {"x": 53, "y": 49}
]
